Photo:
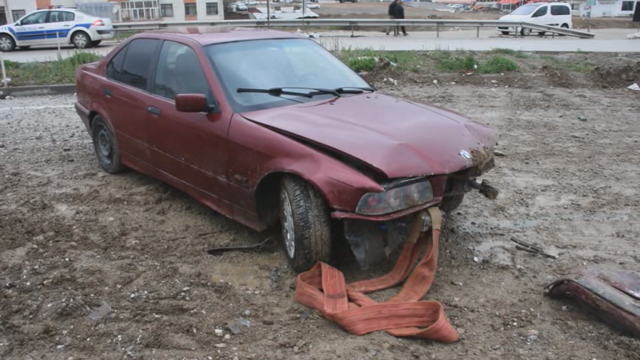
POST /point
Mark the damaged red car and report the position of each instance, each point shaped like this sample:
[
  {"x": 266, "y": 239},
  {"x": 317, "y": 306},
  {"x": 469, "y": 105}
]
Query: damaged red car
[{"x": 269, "y": 128}]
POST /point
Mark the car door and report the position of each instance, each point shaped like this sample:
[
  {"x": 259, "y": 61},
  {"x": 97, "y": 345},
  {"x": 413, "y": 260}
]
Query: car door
[
  {"x": 540, "y": 15},
  {"x": 58, "y": 26},
  {"x": 189, "y": 146},
  {"x": 126, "y": 95},
  {"x": 30, "y": 30}
]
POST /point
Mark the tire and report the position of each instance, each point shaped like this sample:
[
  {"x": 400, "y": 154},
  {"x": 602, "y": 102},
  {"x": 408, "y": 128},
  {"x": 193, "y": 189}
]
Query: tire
[
  {"x": 7, "y": 43},
  {"x": 24, "y": 47},
  {"x": 541, "y": 33},
  {"x": 505, "y": 32},
  {"x": 525, "y": 31},
  {"x": 96, "y": 43},
  {"x": 306, "y": 224},
  {"x": 81, "y": 40},
  {"x": 450, "y": 203},
  {"x": 106, "y": 147},
  {"x": 564, "y": 26}
]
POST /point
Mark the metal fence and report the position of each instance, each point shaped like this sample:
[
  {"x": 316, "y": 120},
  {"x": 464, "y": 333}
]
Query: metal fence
[{"x": 359, "y": 23}]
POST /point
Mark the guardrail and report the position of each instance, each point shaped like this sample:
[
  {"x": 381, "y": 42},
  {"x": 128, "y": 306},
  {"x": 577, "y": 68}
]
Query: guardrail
[{"x": 357, "y": 23}]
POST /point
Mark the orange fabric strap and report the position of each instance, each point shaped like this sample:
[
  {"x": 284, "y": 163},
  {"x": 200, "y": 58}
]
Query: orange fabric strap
[{"x": 323, "y": 288}]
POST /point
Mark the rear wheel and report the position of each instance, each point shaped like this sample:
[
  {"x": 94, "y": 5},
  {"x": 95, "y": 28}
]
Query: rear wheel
[
  {"x": 305, "y": 221},
  {"x": 564, "y": 26},
  {"x": 81, "y": 40},
  {"x": 450, "y": 203},
  {"x": 96, "y": 43},
  {"x": 6, "y": 43},
  {"x": 106, "y": 147},
  {"x": 505, "y": 32}
]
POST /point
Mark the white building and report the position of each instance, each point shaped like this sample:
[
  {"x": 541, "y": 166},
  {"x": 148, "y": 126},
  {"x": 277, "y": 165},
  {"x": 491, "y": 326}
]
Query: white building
[
  {"x": 605, "y": 8},
  {"x": 121, "y": 10}
]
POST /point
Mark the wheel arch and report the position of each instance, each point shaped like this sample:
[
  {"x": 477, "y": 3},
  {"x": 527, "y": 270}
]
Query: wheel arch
[
  {"x": 5, "y": 32},
  {"x": 267, "y": 195}
]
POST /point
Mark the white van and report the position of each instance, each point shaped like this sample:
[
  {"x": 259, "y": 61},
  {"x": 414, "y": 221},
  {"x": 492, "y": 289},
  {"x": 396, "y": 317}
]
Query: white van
[{"x": 554, "y": 14}]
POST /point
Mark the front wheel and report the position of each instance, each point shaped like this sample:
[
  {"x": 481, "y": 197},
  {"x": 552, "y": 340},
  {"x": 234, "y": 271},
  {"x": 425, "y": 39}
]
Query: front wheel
[
  {"x": 6, "y": 43},
  {"x": 81, "y": 40},
  {"x": 525, "y": 31},
  {"x": 305, "y": 221}
]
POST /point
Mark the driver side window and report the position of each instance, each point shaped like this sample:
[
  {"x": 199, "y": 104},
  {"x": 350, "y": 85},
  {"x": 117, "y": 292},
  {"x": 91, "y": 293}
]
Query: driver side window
[
  {"x": 35, "y": 18},
  {"x": 180, "y": 72},
  {"x": 540, "y": 12}
]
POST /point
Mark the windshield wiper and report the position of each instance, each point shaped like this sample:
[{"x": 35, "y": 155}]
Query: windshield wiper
[
  {"x": 281, "y": 91},
  {"x": 353, "y": 90}
]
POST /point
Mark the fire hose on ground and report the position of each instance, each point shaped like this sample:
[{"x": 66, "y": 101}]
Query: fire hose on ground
[{"x": 323, "y": 288}]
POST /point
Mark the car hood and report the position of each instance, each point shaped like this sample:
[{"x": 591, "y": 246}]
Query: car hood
[{"x": 397, "y": 137}]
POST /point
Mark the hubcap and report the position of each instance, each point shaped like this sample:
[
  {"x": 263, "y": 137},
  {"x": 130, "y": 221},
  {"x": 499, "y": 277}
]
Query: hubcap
[
  {"x": 105, "y": 150},
  {"x": 80, "y": 40},
  {"x": 287, "y": 225},
  {"x": 5, "y": 43},
  {"x": 526, "y": 31}
]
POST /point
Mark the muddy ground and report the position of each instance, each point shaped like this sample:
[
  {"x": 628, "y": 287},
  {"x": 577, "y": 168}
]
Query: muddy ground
[{"x": 95, "y": 266}]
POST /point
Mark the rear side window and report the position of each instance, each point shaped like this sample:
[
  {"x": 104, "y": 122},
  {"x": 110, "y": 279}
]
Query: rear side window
[
  {"x": 179, "y": 72},
  {"x": 114, "y": 68},
  {"x": 137, "y": 62},
  {"x": 540, "y": 12},
  {"x": 61, "y": 16},
  {"x": 560, "y": 10}
]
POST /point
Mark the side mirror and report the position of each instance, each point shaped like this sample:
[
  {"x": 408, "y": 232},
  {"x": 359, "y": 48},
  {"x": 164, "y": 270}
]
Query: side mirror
[{"x": 192, "y": 103}]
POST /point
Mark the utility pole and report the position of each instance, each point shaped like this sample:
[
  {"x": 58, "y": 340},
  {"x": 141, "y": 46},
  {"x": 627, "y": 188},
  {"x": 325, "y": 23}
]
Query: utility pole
[{"x": 268, "y": 13}]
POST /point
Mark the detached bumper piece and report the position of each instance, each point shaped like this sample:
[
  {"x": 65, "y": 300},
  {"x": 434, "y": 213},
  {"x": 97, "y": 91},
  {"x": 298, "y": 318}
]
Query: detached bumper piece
[{"x": 613, "y": 296}]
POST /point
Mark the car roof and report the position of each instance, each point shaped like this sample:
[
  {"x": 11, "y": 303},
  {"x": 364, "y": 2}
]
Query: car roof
[{"x": 218, "y": 34}]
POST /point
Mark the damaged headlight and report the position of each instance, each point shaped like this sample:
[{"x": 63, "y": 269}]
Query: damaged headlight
[{"x": 395, "y": 199}]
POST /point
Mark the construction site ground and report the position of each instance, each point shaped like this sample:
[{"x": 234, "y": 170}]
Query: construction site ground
[{"x": 96, "y": 266}]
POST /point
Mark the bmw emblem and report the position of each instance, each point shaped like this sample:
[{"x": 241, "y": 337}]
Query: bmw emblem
[{"x": 465, "y": 154}]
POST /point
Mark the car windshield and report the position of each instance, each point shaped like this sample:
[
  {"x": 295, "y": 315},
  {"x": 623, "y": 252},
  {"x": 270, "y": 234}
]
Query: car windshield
[
  {"x": 525, "y": 10},
  {"x": 294, "y": 65}
]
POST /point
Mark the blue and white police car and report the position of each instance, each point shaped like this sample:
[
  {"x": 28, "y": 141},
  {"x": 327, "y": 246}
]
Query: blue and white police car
[{"x": 48, "y": 27}]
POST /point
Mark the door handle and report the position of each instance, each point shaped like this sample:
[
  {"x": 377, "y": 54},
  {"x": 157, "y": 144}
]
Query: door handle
[
  {"x": 66, "y": 25},
  {"x": 154, "y": 110},
  {"x": 41, "y": 27},
  {"x": 107, "y": 92}
]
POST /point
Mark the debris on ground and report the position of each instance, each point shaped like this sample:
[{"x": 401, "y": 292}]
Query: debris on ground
[
  {"x": 220, "y": 250},
  {"x": 531, "y": 248},
  {"x": 102, "y": 311},
  {"x": 236, "y": 326},
  {"x": 613, "y": 296},
  {"x": 634, "y": 87},
  {"x": 582, "y": 118}
]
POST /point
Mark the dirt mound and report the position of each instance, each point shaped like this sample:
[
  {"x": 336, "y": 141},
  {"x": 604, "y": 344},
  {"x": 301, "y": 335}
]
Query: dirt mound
[
  {"x": 558, "y": 77},
  {"x": 616, "y": 76}
]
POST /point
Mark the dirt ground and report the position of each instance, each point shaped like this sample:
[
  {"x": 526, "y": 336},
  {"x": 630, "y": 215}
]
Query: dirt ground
[
  {"x": 376, "y": 10},
  {"x": 95, "y": 266}
]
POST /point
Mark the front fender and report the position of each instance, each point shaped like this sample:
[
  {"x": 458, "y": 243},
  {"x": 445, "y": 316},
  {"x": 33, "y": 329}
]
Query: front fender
[{"x": 256, "y": 152}]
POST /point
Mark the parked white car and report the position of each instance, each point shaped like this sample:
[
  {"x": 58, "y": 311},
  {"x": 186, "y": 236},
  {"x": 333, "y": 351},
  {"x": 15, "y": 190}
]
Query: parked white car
[
  {"x": 553, "y": 14},
  {"x": 238, "y": 6},
  {"x": 48, "y": 27}
]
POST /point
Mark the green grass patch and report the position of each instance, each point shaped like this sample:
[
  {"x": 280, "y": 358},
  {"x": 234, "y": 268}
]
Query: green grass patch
[
  {"x": 44, "y": 73},
  {"x": 498, "y": 64},
  {"x": 575, "y": 65},
  {"x": 457, "y": 63},
  {"x": 510, "y": 52},
  {"x": 358, "y": 64}
]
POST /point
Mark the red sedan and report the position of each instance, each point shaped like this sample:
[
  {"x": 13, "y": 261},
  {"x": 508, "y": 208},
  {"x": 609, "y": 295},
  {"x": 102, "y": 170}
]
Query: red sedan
[{"x": 266, "y": 127}]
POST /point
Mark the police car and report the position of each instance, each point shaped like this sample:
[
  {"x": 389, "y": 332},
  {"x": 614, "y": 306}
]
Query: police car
[{"x": 48, "y": 27}]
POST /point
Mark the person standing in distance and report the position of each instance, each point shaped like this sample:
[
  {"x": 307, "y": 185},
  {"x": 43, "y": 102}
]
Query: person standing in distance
[
  {"x": 391, "y": 13},
  {"x": 399, "y": 14}
]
